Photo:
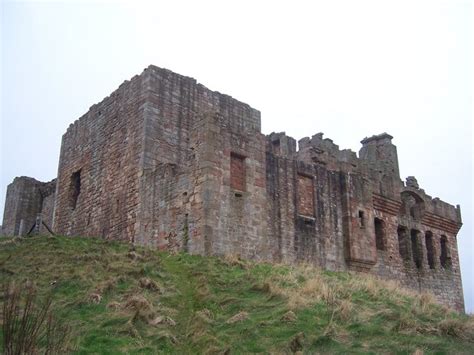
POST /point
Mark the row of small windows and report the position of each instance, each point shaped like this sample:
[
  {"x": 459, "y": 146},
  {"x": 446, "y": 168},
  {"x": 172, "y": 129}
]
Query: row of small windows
[
  {"x": 305, "y": 207},
  {"x": 412, "y": 240},
  {"x": 410, "y": 243}
]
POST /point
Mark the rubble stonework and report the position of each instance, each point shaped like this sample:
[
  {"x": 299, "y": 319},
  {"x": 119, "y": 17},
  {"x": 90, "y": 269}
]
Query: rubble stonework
[{"x": 165, "y": 162}]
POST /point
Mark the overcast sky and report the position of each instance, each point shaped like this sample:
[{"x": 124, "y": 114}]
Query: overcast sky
[{"x": 349, "y": 69}]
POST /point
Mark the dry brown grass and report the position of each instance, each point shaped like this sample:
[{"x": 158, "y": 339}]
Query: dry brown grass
[
  {"x": 205, "y": 315},
  {"x": 94, "y": 298},
  {"x": 239, "y": 317},
  {"x": 7, "y": 241},
  {"x": 149, "y": 284},
  {"x": 377, "y": 288},
  {"x": 297, "y": 343},
  {"x": 114, "y": 305},
  {"x": 390, "y": 290},
  {"x": 138, "y": 302},
  {"x": 203, "y": 291},
  {"x": 345, "y": 310},
  {"x": 162, "y": 320},
  {"x": 142, "y": 308},
  {"x": 462, "y": 329},
  {"x": 197, "y": 329},
  {"x": 106, "y": 286},
  {"x": 235, "y": 260},
  {"x": 133, "y": 255},
  {"x": 130, "y": 329},
  {"x": 425, "y": 304},
  {"x": 289, "y": 317},
  {"x": 304, "y": 286},
  {"x": 407, "y": 324},
  {"x": 301, "y": 287}
]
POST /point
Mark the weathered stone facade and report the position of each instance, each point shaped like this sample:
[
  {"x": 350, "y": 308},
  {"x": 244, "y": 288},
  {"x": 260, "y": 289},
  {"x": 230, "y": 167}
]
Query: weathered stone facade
[{"x": 164, "y": 161}]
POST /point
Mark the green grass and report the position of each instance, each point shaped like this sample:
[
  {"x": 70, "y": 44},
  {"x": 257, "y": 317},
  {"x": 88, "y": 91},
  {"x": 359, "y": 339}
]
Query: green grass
[{"x": 195, "y": 296}]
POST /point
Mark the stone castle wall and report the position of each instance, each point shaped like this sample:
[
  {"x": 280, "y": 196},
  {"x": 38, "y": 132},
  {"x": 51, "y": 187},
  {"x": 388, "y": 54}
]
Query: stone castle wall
[
  {"x": 98, "y": 174},
  {"x": 166, "y": 162}
]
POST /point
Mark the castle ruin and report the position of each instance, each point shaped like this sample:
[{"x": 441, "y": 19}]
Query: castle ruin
[{"x": 165, "y": 162}]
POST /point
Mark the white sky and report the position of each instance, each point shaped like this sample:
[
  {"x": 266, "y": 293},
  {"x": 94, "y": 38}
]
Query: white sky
[{"x": 349, "y": 69}]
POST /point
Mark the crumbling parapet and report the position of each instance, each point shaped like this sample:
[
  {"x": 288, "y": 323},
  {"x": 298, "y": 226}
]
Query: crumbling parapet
[
  {"x": 281, "y": 144},
  {"x": 323, "y": 151}
]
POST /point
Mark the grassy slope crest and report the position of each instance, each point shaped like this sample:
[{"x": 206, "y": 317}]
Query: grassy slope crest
[{"x": 122, "y": 300}]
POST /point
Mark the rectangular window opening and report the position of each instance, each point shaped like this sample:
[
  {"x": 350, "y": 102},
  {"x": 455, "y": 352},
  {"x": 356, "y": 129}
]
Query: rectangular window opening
[
  {"x": 305, "y": 195},
  {"x": 416, "y": 248},
  {"x": 379, "y": 233},
  {"x": 430, "y": 249},
  {"x": 403, "y": 242},
  {"x": 237, "y": 172},
  {"x": 361, "y": 219},
  {"x": 444, "y": 258},
  {"x": 276, "y": 146}
]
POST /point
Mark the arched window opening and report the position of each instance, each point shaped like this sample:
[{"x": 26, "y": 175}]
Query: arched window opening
[
  {"x": 379, "y": 226},
  {"x": 430, "y": 249},
  {"x": 403, "y": 242},
  {"x": 416, "y": 248},
  {"x": 444, "y": 258}
]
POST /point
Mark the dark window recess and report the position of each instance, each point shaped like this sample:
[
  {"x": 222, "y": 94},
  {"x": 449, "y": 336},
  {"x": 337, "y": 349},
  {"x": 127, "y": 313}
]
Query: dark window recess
[
  {"x": 186, "y": 233},
  {"x": 305, "y": 223},
  {"x": 361, "y": 219},
  {"x": 276, "y": 146},
  {"x": 429, "y": 249},
  {"x": 403, "y": 242},
  {"x": 415, "y": 248},
  {"x": 237, "y": 172},
  {"x": 75, "y": 188},
  {"x": 379, "y": 234},
  {"x": 309, "y": 222},
  {"x": 117, "y": 205},
  {"x": 444, "y": 258}
]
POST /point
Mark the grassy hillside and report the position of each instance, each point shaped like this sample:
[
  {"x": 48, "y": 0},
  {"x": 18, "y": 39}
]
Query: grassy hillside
[{"x": 121, "y": 301}]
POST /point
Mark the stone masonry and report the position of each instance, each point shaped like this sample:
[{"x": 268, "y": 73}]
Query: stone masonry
[
  {"x": 26, "y": 200},
  {"x": 165, "y": 162}
]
